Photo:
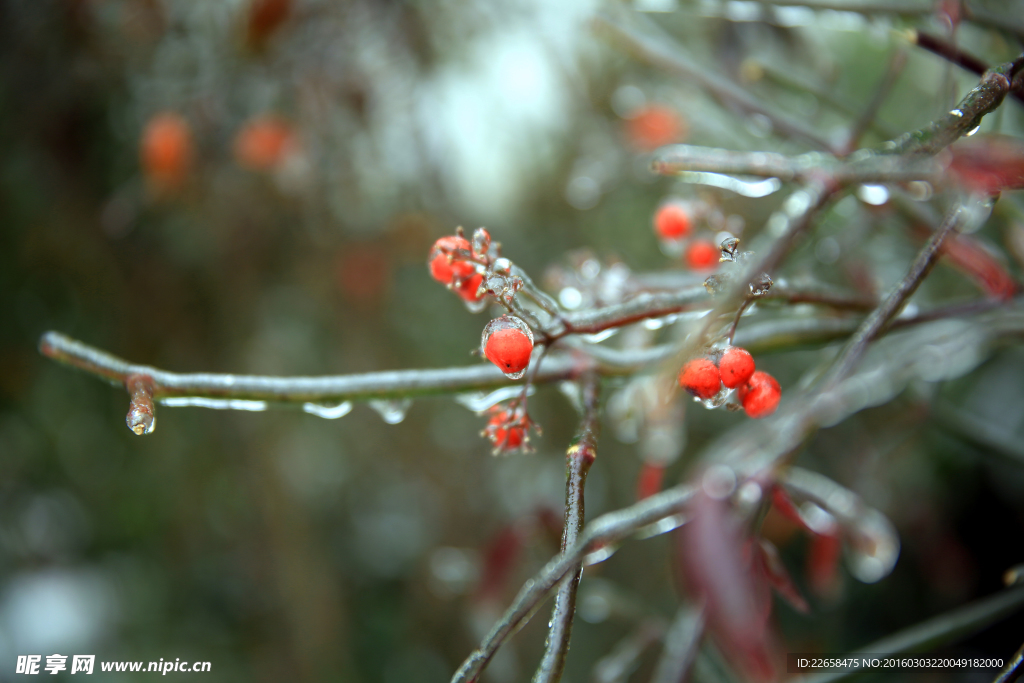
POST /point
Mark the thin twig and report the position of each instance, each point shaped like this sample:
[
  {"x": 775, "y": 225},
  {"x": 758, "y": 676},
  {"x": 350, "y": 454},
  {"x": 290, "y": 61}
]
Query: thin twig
[
  {"x": 660, "y": 50},
  {"x": 681, "y": 643},
  {"x": 896, "y": 64},
  {"x": 876, "y": 322},
  {"x": 607, "y": 529},
  {"x": 935, "y": 632},
  {"x": 1013, "y": 668},
  {"x": 954, "y": 54},
  {"x": 578, "y": 459}
]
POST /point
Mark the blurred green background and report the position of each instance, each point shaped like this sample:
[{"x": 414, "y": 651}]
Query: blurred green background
[{"x": 279, "y": 546}]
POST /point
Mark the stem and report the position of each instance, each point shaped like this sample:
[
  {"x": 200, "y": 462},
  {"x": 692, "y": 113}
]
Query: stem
[
  {"x": 937, "y": 631},
  {"x": 659, "y": 50},
  {"x": 607, "y": 529},
  {"x": 875, "y": 322},
  {"x": 578, "y": 459},
  {"x": 681, "y": 643}
]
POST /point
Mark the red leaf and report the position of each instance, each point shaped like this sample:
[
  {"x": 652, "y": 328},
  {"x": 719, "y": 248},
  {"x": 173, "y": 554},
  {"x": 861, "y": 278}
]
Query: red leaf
[
  {"x": 988, "y": 164},
  {"x": 968, "y": 254}
]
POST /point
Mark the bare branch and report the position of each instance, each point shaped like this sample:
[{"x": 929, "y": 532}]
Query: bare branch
[
  {"x": 937, "y": 631},
  {"x": 578, "y": 459},
  {"x": 658, "y": 49},
  {"x": 608, "y": 529},
  {"x": 1013, "y": 667},
  {"x": 681, "y": 643},
  {"x": 875, "y": 322}
]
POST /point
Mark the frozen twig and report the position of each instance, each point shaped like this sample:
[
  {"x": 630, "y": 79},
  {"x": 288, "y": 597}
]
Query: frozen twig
[
  {"x": 578, "y": 459},
  {"x": 954, "y": 54},
  {"x": 659, "y": 50},
  {"x": 1013, "y": 668},
  {"x": 876, "y": 322},
  {"x": 607, "y": 529},
  {"x": 935, "y": 632},
  {"x": 681, "y": 643}
]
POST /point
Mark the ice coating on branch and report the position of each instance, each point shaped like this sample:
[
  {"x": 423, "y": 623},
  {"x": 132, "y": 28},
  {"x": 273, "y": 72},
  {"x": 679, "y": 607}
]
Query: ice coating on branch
[
  {"x": 328, "y": 412},
  {"x": 874, "y": 547},
  {"x": 392, "y": 411},
  {"x": 761, "y": 284},
  {"x": 507, "y": 342},
  {"x": 478, "y": 401}
]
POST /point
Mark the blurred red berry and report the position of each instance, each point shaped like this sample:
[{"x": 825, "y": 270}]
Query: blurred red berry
[
  {"x": 736, "y": 366},
  {"x": 702, "y": 255},
  {"x": 509, "y": 349},
  {"x": 760, "y": 396},
  {"x": 166, "y": 151},
  {"x": 653, "y": 126},
  {"x": 672, "y": 221},
  {"x": 701, "y": 378},
  {"x": 504, "y": 435},
  {"x": 264, "y": 143}
]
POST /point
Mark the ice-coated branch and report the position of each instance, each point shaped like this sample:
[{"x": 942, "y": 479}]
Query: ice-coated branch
[
  {"x": 607, "y": 529},
  {"x": 658, "y": 49},
  {"x": 875, "y": 322},
  {"x": 578, "y": 459},
  {"x": 937, "y": 631}
]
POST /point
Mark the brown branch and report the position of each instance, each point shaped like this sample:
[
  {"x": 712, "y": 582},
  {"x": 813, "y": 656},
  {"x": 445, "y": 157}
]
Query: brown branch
[
  {"x": 608, "y": 529},
  {"x": 954, "y": 54},
  {"x": 876, "y": 322},
  {"x": 578, "y": 459},
  {"x": 658, "y": 49}
]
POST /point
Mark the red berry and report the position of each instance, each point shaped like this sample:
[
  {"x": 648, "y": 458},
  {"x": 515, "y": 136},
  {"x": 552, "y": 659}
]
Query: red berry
[
  {"x": 166, "y": 151},
  {"x": 736, "y": 367},
  {"x": 503, "y": 435},
  {"x": 700, "y": 377},
  {"x": 702, "y": 255},
  {"x": 654, "y": 126},
  {"x": 460, "y": 274},
  {"x": 264, "y": 143},
  {"x": 672, "y": 221},
  {"x": 508, "y": 342},
  {"x": 760, "y": 396}
]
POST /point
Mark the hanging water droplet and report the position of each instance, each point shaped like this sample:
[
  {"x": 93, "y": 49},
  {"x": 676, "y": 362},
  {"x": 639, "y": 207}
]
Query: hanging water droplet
[
  {"x": 392, "y": 411},
  {"x": 874, "y": 547},
  {"x": 328, "y": 412},
  {"x": 654, "y": 323},
  {"x": 475, "y": 306},
  {"x": 761, "y": 284},
  {"x": 729, "y": 246},
  {"x": 972, "y": 131},
  {"x": 715, "y": 401},
  {"x": 716, "y": 284},
  {"x": 570, "y": 298},
  {"x": 479, "y": 401},
  {"x": 140, "y": 420},
  {"x": 481, "y": 241}
]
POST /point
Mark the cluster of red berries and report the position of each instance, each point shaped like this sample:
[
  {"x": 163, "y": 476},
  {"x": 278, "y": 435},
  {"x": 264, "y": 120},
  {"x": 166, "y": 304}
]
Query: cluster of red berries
[
  {"x": 450, "y": 265},
  {"x": 673, "y": 222},
  {"x": 758, "y": 392},
  {"x": 508, "y": 429}
]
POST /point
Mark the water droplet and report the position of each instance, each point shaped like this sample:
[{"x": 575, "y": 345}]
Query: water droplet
[
  {"x": 957, "y": 113},
  {"x": 214, "y": 403},
  {"x": 876, "y": 195},
  {"x": 719, "y": 481},
  {"x": 715, "y": 401},
  {"x": 875, "y": 547},
  {"x": 479, "y": 401},
  {"x": 392, "y": 411},
  {"x": 599, "y": 337},
  {"x": 972, "y": 131},
  {"x": 475, "y": 306},
  {"x": 761, "y": 284},
  {"x": 502, "y": 265},
  {"x": 481, "y": 241},
  {"x": 654, "y": 324},
  {"x": 716, "y": 284},
  {"x": 590, "y": 269},
  {"x": 729, "y": 246},
  {"x": 570, "y": 298},
  {"x": 328, "y": 412},
  {"x": 140, "y": 421}
]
